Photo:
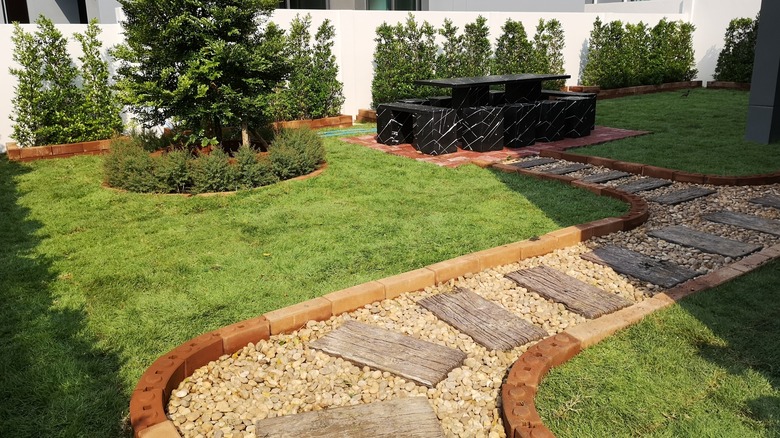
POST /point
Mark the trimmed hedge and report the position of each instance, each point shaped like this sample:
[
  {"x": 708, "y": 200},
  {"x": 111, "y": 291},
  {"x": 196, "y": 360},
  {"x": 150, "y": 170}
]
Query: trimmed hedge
[
  {"x": 131, "y": 167},
  {"x": 735, "y": 60},
  {"x": 634, "y": 54}
]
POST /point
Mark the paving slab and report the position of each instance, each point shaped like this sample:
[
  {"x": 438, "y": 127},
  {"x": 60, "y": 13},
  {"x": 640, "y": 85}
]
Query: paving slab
[
  {"x": 411, "y": 417},
  {"x": 768, "y": 200},
  {"x": 706, "y": 242},
  {"x": 489, "y": 324},
  {"x": 644, "y": 184},
  {"x": 684, "y": 195},
  {"x": 747, "y": 221},
  {"x": 569, "y": 168},
  {"x": 533, "y": 163},
  {"x": 603, "y": 177},
  {"x": 366, "y": 345},
  {"x": 663, "y": 273},
  {"x": 579, "y": 297}
]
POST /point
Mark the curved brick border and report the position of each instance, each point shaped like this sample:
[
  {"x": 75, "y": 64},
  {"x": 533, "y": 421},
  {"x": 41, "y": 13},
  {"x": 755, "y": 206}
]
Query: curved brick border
[
  {"x": 662, "y": 172},
  {"x": 518, "y": 410},
  {"x": 147, "y": 403}
]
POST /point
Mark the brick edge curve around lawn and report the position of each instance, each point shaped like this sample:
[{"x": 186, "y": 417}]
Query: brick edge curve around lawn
[{"x": 151, "y": 394}]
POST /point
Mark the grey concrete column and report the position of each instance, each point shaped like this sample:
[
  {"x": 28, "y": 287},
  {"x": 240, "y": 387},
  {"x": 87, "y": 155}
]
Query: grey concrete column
[{"x": 763, "y": 124}]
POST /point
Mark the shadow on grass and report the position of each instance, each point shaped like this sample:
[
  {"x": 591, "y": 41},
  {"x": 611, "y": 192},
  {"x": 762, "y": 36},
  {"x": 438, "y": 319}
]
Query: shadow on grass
[
  {"x": 55, "y": 382},
  {"x": 745, "y": 313}
]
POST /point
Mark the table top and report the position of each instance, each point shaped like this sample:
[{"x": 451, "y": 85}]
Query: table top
[{"x": 489, "y": 80}]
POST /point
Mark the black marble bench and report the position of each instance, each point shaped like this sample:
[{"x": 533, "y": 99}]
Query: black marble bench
[
  {"x": 430, "y": 129},
  {"x": 580, "y": 113}
]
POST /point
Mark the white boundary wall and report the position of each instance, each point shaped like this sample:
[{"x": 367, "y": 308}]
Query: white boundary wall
[{"x": 355, "y": 32}]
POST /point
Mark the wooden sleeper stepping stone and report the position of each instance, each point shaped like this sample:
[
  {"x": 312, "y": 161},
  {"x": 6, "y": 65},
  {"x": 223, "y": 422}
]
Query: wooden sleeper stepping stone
[
  {"x": 489, "y": 324},
  {"x": 643, "y": 184},
  {"x": 563, "y": 170},
  {"x": 663, "y": 273},
  {"x": 420, "y": 361},
  {"x": 579, "y": 297},
  {"x": 705, "y": 241},
  {"x": 748, "y": 221},
  {"x": 533, "y": 163},
  {"x": 410, "y": 417},
  {"x": 599, "y": 178},
  {"x": 684, "y": 195},
  {"x": 768, "y": 200}
]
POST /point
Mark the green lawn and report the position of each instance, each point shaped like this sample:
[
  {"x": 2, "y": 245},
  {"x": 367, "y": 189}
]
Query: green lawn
[
  {"x": 701, "y": 133},
  {"x": 707, "y": 367},
  {"x": 96, "y": 284}
]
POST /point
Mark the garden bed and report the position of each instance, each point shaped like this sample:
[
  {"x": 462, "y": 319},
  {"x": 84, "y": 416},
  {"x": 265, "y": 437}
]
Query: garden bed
[
  {"x": 633, "y": 91},
  {"x": 726, "y": 85},
  {"x": 97, "y": 147},
  {"x": 342, "y": 121}
]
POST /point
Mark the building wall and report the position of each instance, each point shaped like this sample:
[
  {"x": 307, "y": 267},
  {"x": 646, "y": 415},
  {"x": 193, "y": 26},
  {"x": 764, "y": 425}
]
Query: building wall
[
  {"x": 355, "y": 32},
  {"x": 59, "y": 11},
  {"x": 506, "y": 5}
]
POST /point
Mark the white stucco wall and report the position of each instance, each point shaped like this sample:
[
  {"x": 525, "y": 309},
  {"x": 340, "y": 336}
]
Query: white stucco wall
[{"x": 355, "y": 32}]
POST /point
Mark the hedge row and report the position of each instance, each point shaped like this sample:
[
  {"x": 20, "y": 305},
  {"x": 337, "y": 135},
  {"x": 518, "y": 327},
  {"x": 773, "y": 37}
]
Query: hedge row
[
  {"x": 735, "y": 61},
  {"x": 131, "y": 167},
  {"x": 635, "y": 54}
]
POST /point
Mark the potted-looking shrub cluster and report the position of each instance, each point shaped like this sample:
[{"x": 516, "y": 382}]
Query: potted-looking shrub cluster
[{"x": 213, "y": 75}]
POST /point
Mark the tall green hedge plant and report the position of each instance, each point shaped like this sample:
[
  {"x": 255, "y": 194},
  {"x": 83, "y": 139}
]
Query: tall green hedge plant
[
  {"x": 548, "y": 45},
  {"x": 735, "y": 60},
  {"x": 513, "y": 50}
]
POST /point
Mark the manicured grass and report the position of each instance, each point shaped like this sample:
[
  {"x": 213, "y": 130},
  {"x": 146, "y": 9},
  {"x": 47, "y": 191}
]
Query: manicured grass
[
  {"x": 701, "y": 133},
  {"x": 707, "y": 367},
  {"x": 96, "y": 284}
]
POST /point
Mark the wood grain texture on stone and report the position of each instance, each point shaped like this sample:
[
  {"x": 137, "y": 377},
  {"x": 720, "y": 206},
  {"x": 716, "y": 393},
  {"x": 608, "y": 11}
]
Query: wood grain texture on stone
[
  {"x": 366, "y": 345},
  {"x": 533, "y": 163},
  {"x": 598, "y": 178},
  {"x": 768, "y": 201},
  {"x": 684, "y": 195},
  {"x": 489, "y": 324},
  {"x": 410, "y": 417},
  {"x": 704, "y": 241},
  {"x": 625, "y": 261},
  {"x": 748, "y": 221},
  {"x": 569, "y": 168},
  {"x": 579, "y": 297},
  {"x": 644, "y": 184}
]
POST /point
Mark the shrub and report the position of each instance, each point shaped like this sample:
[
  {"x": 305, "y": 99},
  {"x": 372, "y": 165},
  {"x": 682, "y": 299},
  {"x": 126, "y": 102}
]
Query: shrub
[
  {"x": 450, "y": 58},
  {"x": 296, "y": 152},
  {"x": 476, "y": 49},
  {"x": 548, "y": 51},
  {"x": 513, "y": 50},
  {"x": 26, "y": 116},
  {"x": 213, "y": 173},
  {"x": 735, "y": 60},
  {"x": 253, "y": 170},
  {"x": 327, "y": 90},
  {"x": 130, "y": 167},
  {"x": 173, "y": 173},
  {"x": 404, "y": 53}
]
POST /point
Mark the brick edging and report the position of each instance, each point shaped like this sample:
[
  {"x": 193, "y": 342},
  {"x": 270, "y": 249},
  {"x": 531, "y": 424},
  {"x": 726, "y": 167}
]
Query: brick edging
[
  {"x": 97, "y": 147},
  {"x": 727, "y": 85},
  {"x": 518, "y": 393},
  {"x": 665, "y": 173},
  {"x": 147, "y": 403},
  {"x": 613, "y": 93}
]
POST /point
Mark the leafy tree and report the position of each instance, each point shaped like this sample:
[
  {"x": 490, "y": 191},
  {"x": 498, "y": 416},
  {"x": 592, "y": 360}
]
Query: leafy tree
[
  {"x": 637, "y": 45},
  {"x": 476, "y": 48},
  {"x": 201, "y": 62},
  {"x": 450, "y": 59},
  {"x": 100, "y": 108},
  {"x": 327, "y": 90},
  {"x": 673, "y": 51},
  {"x": 548, "y": 50},
  {"x": 404, "y": 53},
  {"x": 513, "y": 50},
  {"x": 295, "y": 97},
  {"x": 735, "y": 60},
  {"x": 26, "y": 115}
]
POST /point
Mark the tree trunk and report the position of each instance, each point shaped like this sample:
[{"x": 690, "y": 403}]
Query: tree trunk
[{"x": 245, "y": 133}]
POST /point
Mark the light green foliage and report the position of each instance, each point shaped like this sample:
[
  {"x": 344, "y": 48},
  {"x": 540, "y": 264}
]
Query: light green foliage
[
  {"x": 513, "y": 50},
  {"x": 296, "y": 152},
  {"x": 26, "y": 115},
  {"x": 100, "y": 109},
  {"x": 476, "y": 49},
  {"x": 450, "y": 59},
  {"x": 404, "y": 53},
  {"x": 312, "y": 90},
  {"x": 253, "y": 170},
  {"x": 207, "y": 64},
  {"x": 548, "y": 46},
  {"x": 735, "y": 60},
  {"x": 213, "y": 173},
  {"x": 633, "y": 54}
]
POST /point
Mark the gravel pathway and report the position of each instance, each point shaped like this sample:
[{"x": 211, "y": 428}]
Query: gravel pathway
[{"x": 283, "y": 376}]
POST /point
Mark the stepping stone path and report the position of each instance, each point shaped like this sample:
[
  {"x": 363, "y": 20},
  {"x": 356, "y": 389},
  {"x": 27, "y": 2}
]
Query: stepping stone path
[
  {"x": 410, "y": 417},
  {"x": 684, "y": 195},
  {"x": 704, "y": 241},
  {"x": 577, "y": 296},
  {"x": 768, "y": 200},
  {"x": 643, "y": 184},
  {"x": 533, "y": 163},
  {"x": 749, "y": 221},
  {"x": 599, "y": 178},
  {"x": 489, "y": 324},
  {"x": 563, "y": 170},
  {"x": 625, "y": 261},
  {"x": 384, "y": 350}
]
